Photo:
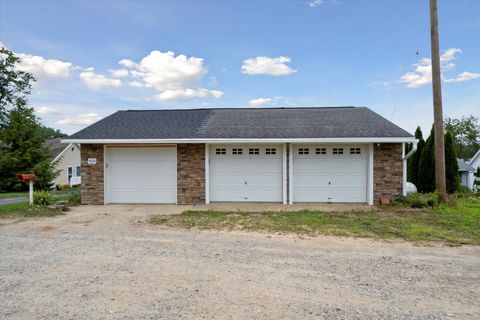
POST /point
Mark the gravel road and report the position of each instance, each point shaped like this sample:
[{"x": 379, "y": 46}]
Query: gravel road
[{"x": 105, "y": 263}]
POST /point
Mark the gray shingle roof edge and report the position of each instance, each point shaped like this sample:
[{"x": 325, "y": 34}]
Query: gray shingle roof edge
[{"x": 242, "y": 123}]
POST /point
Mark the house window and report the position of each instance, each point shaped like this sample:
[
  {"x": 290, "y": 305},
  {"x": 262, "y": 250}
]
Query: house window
[
  {"x": 69, "y": 173},
  {"x": 303, "y": 150},
  {"x": 337, "y": 150},
  {"x": 355, "y": 151},
  {"x": 321, "y": 150},
  {"x": 270, "y": 151},
  {"x": 78, "y": 171},
  {"x": 220, "y": 151},
  {"x": 253, "y": 151},
  {"x": 237, "y": 151}
]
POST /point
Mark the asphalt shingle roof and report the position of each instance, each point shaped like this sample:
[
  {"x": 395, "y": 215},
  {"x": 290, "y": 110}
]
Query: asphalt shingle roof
[
  {"x": 238, "y": 123},
  {"x": 56, "y": 146}
]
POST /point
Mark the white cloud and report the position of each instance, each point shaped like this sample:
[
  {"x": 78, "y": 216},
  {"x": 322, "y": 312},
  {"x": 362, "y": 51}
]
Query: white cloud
[
  {"x": 185, "y": 94},
  {"x": 81, "y": 120},
  {"x": 423, "y": 70},
  {"x": 96, "y": 81},
  {"x": 259, "y": 102},
  {"x": 165, "y": 71},
  {"x": 216, "y": 93},
  {"x": 119, "y": 73},
  {"x": 315, "y": 3},
  {"x": 174, "y": 77},
  {"x": 47, "y": 110},
  {"x": 44, "y": 68},
  {"x": 135, "y": 84},
  {"x": 464, "y": 76},
  {"x": 385, "y": 84},
  {"x": 269, "y": 66},
  {"x": 127, "y": 63}
]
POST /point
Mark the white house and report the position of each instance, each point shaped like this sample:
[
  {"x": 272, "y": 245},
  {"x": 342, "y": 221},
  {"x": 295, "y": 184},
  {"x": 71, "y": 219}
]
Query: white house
[
  {"x": 475, "y": 163},
  {"x": 467, "y": 173},
  {"x": 468, "y": 169},
  {"x": 68, "y": 157}
]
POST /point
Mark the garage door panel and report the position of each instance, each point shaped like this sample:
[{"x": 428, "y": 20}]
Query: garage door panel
[
  {"x": 142, "y": 175},
  {"x": 349, "y": 181},
  {"x": 329, "y": 177},
  {"x": 246, "y": 177}
]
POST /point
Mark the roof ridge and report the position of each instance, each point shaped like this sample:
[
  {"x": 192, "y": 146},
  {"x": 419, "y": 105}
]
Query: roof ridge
[{"x": 242, "y": 108}]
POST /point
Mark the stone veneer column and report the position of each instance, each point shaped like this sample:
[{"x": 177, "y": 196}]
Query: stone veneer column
[
  {"x": 191, "y": 173},
  {"x": 387, "y": 171},
  {"x": 92, "y": 174}
]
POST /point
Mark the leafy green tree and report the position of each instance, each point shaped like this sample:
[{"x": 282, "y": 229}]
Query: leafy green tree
[
  {"x": 451, "y": 164},
  {"x": 23, "y": 150},
  {"x": 466, "y": 135},
  {"x": 15, "y": 85},
  {"x": 414, "y": 160},
  {"x": 426, "y": 169},
  {"x": 50, "y": 133}
]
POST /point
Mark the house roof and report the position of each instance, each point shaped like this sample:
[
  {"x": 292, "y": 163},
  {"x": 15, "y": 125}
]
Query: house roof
[
  {"x": 474, "y": 161},
  {"x": 242, "y": 123},
  {"x": 463, "y": 166},
  {"x": 56, "y": 146}
]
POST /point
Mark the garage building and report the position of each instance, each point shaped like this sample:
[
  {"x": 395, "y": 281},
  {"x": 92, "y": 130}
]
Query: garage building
[{"x": 285, "y": 155}]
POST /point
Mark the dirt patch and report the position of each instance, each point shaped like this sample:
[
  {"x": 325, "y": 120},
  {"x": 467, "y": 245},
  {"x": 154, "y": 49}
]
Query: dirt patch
[{"x": 47, "y": 228}]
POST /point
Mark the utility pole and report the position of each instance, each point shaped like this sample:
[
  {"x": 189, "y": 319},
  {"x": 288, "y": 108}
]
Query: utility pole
[{"x": 437, "y": 104}]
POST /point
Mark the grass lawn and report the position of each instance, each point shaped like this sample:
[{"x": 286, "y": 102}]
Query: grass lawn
[
  {"x": 13, "y": 194},
  {"x": 451, "y": 224},
  {"x": 18, "y": 210}
]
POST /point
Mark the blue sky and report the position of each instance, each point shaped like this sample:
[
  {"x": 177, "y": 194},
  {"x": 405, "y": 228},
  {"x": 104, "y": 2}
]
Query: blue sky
[{"x": 92, "y": 58}]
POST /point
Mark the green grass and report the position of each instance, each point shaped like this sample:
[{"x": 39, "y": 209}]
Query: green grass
[
  {"x": 451, "y": 224},
  {"x": 22, "y": 210},
  {"x": 13, "y": 194}
]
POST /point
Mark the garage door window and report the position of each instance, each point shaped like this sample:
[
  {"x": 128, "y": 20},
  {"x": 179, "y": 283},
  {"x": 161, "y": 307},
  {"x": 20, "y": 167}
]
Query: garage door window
[
  {"x": 303, "y": 150},
  {"x": 270, "y": 151},
  {"x": 237, "y": 151},
  {"x": 253, "y": 151},
  {"x": 221, "y": 151},
  {"x": 321, "y": 151},
  {"x": 337, "y": 150},
  {"x": 355, "y": 151}
]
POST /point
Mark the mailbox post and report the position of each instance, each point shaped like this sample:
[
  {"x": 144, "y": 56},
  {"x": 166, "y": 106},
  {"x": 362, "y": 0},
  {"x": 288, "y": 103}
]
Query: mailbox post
[{"x": 30, "y": 177}]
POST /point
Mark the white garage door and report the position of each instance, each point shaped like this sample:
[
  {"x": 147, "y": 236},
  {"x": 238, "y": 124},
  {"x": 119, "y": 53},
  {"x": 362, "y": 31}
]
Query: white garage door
[
  {"x": 142, "y": 175},
  {"x": 246, "y": 173},
  {"x": 329, "y": 173}
]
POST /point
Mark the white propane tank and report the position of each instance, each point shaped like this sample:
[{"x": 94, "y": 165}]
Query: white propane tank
[{"x": 411, "y": 188}]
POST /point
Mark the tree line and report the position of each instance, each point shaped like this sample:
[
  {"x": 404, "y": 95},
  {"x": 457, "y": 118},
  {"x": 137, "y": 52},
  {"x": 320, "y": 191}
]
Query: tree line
[
  {"x": 22, "y": 136},
  {"x": 462, "y": 140}
]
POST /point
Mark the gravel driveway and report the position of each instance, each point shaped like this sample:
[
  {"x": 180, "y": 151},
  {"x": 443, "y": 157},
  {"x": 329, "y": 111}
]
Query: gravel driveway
[{"x": 105, "y": 262}]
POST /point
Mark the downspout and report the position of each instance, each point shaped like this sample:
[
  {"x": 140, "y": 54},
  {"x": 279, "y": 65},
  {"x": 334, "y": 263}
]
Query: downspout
[{"x": 405, "y": 158}]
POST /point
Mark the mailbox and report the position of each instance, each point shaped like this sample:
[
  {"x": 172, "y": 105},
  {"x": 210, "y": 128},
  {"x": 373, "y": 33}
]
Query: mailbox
[{"x": 26, "y": 177}]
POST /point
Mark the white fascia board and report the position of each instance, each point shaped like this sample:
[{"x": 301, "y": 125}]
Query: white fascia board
[
  {"x": 61, "y": 153},
  {"x": 236, "y": 141}
]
